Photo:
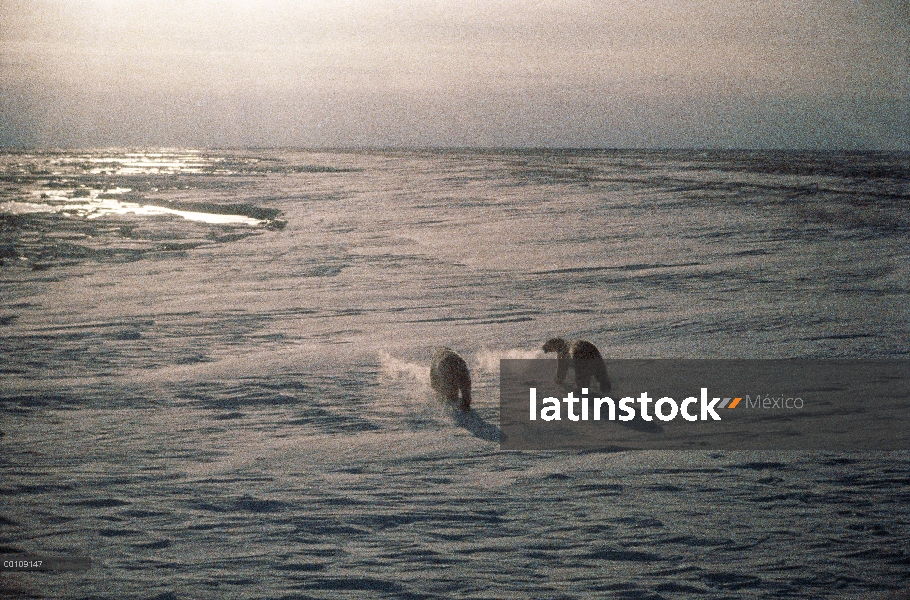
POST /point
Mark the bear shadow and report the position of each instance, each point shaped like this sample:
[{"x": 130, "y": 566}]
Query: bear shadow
[
  {"x": 639, "y": 424},
  {"x": 477, "y": 427}
]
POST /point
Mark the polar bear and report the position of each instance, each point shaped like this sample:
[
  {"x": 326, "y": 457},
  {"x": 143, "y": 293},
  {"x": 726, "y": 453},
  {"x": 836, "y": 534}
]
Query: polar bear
[
  {"x": 586, "y": 360},
  {"x": 449, "y": 375}
]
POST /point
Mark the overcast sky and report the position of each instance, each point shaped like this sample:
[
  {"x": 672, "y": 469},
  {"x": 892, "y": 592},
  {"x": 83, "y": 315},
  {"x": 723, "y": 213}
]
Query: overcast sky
[{"x": 518, "y": 73}]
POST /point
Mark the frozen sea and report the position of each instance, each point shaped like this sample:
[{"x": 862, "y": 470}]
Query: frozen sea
[{"x": 214, "y": 370}]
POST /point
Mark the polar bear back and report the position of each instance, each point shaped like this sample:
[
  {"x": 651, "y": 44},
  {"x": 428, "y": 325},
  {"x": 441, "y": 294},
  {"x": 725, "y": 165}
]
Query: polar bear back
[{"x": 450, "y": 378}]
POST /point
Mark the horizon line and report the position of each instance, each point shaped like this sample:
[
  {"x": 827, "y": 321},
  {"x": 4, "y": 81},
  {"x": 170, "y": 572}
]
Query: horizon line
[{"x": 430, "y": 148}]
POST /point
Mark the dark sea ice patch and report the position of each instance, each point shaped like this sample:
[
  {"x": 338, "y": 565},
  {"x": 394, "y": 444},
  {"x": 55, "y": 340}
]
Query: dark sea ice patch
[
  {"x": 610, "y": 553},
  {"x": 156, "y": 545},
  {"x": 100, "y": 503}
]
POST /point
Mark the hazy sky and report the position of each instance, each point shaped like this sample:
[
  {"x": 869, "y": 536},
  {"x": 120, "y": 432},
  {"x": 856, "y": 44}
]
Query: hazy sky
[{"x": 637, "y": 73}]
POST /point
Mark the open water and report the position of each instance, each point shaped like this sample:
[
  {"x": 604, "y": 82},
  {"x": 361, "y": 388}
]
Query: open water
[{"x": 214, "y": 370}]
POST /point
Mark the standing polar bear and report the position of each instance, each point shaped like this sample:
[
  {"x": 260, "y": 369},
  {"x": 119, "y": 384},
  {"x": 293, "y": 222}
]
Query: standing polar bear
[
  {"x": 586, "y": 360},
  {"x": 449, "y": 375}
]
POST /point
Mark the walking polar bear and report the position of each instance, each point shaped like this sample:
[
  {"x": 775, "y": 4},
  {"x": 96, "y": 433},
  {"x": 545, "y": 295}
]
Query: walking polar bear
[
  {"x": 586, "y": 360},
  {"x": 449, "y": 375}
]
